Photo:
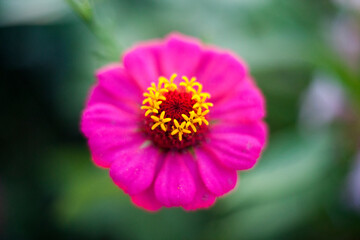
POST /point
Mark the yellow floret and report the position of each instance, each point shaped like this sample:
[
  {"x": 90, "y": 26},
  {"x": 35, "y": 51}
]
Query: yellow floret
[
  {"x": 160, "y": 121},
  {"x": 180, "y": 129},
  {"x": 188, "y": 84},
  {"x": 201, "y": 102}
]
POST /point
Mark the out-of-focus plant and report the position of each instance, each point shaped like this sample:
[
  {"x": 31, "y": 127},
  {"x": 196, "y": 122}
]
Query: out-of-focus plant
[
  {"x": 85, "y": 9},
  {"x": 293, "y": 47}
]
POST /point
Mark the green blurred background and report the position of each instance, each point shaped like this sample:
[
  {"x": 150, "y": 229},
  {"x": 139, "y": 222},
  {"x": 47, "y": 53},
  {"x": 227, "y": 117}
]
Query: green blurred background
[{"x": 305, "y": 56}]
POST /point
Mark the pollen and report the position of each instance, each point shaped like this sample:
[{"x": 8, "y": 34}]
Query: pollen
[
  {"x": 179, "y": 129},
  {"x": 160, "y": 121},
  {"x": 175, "y": 113}
]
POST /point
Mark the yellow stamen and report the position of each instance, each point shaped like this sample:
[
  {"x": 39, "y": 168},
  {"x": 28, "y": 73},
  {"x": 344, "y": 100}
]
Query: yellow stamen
[
  {"x": 154, "y": 97},
  {"x": 199, "y": 91},
  {"x": 169, "y": 84},
  {"x": 201, "y": 102},
  {"x": 190, "y": 121},
  {"x": 159, "y": 87},
  {"x": 153, "y": 108},
  {"x": 160, "y": 121},
  {"x": 199, "y": 116},
  {"x": 188, "y": 84},
  {"x": 180, "y": 129}
]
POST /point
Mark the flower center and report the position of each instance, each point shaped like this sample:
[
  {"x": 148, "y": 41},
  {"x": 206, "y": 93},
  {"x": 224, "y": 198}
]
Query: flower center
[{"x": 175, "y": 116}]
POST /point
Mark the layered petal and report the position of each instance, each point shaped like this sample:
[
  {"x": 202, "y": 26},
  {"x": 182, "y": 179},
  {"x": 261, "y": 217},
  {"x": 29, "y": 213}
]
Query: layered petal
[
  {"x": 180, "y": 55},
  {"x": 110, "y": 131},
  {"x": 99, "y": 95},
  {"x": 243, "y": 103},
  {"x": 115, "y": 80},
  {"x": 142, "y": 63},
  {"x": 217, "y": 178},
  {"x": 173, "y": 177},
  {"x": 237, "y": 146},
  {"x": 147, "y": 200},
  {"x": 203, "y": 197},
  {"x": 220, "y": 72},
  {"x": 134, "y": 170},
  {"x": 174, "y": 185},
  {"x": 115, "y": 87}
]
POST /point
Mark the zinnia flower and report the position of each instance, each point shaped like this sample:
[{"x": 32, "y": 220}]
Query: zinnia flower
[{"x": 174, "y": 122}]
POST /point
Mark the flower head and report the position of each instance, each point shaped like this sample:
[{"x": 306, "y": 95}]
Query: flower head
[{"x": 175, "y": 122}]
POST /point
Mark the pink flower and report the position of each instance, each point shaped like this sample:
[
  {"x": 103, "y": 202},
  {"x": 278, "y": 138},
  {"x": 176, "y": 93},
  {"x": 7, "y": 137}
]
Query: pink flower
[{"x": 165, "y": 143}]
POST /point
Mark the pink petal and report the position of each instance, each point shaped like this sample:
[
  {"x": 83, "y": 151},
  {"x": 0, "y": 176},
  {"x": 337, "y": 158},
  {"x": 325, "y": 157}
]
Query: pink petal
[
  {"x": 114, "y": 79},
  {"x": 105, "y": 116},
  {"x": 237, "y": 146},
  {"x": 217, "y": 178},
  {"x": 147, "y": 200},
  {"x": 203, "y": 197},
  {"x": 257, "y": 130},
  {"x": 219, "y": 72},
  {"x": 174, "y": 185},
  {"x": 109, "y": 130},
  {"x": 142, "y": 63},
  {"x": 180, "y": 55},
  {"x": 134, "y": 169},
  {"x": 245, "y": 103},
  {"x": 99, "y": 95}
]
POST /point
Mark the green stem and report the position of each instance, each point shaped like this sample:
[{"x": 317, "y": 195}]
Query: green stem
[{"x": 84, "y": 9}]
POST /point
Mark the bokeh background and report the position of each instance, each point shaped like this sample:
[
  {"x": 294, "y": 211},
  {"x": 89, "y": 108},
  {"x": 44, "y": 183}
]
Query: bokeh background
[{"x": 304, "y": 55}]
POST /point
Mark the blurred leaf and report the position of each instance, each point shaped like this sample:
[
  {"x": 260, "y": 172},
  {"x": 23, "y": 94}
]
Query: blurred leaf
[
  {"x": 284, "y": 188},
  {"x": 110, "y": 48},
  {"x": 83, "y": 8},
  {"x": 89, "y": 203},
  {"x": 350, "y": 79}
]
